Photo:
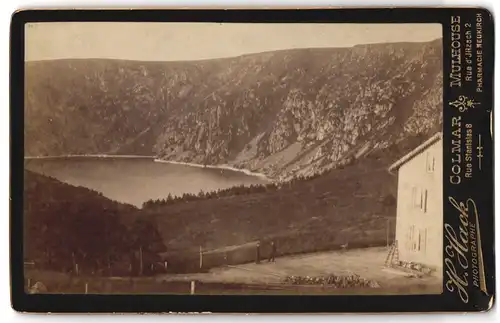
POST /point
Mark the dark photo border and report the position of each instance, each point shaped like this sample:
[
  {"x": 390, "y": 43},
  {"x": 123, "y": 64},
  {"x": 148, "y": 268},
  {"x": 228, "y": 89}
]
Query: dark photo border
[{"x": 480, "y": 188}]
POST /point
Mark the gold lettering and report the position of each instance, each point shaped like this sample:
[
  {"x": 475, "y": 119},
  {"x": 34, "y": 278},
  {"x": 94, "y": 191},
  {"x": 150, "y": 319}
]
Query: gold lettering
[
  {"x": 455, "y": 121},
  {"x": 456, "y": 246},
  {"x": 455, "y": 179},
  {"x": 455, "y": 281}
]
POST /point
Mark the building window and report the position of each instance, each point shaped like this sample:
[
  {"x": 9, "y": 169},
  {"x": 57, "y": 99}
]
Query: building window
[
  {"x": 424, "y": 247},
  {"x": 414, "y": 245},
  {"x": 422, "y": 241},
  {"x": 419, "y": 199},
  {"x": 431, "y": 163},
  {"x": 425, "y": 201},
  {"x": 415, "y": 197},
  {"x": 410, "y": 242}
]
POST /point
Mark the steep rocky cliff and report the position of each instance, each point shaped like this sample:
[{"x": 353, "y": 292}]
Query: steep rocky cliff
[{"x": 281, "y": 113}]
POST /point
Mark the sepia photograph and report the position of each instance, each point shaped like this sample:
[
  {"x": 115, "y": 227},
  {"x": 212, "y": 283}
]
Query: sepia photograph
[{"x": 233, "y": 158}]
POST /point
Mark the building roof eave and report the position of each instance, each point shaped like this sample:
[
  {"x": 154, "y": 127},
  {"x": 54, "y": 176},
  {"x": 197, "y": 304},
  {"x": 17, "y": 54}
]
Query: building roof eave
[{"x": 395, "y": 166}]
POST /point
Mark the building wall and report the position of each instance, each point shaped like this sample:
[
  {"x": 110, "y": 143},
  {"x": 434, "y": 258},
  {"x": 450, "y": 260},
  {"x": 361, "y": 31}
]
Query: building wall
[{"x": 419, "y": 223}]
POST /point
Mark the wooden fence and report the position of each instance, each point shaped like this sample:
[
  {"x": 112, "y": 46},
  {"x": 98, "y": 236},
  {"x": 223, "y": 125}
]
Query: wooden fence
[
  {"x": 189, "y": 261},
  {"x": 109, "y": 286}
]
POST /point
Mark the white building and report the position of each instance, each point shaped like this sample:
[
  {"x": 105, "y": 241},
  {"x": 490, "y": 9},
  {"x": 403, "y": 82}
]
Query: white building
[{"x": 419, "y": 218}]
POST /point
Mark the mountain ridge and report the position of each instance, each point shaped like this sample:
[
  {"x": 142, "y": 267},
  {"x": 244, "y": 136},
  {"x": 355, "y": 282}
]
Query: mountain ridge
[
  {"x": 227, "y": 57},
  {"x": 282, "y": 113}
]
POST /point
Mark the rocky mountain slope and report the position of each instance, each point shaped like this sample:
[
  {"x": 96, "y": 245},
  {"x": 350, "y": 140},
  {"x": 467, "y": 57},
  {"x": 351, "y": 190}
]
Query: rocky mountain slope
[{"x": 282, "y": 113}]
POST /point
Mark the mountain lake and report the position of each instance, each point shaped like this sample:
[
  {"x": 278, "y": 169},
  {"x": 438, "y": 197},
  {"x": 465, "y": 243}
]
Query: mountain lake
[{"x": 135, "y": 180}]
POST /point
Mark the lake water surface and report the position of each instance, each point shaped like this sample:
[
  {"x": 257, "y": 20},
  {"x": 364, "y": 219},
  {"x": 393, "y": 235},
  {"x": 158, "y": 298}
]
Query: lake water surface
[{"x": 136, "y": 180}]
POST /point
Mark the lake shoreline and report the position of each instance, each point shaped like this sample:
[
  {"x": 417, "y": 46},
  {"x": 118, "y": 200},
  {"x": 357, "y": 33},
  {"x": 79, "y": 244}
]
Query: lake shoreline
[
  {"x": 91, "y": 156},
  {"x": 225, "y": 167},
  {"x": 156, "y": 160}
]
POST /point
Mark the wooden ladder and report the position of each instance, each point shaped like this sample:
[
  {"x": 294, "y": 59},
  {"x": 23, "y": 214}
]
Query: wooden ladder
[{"x": 393, "y": 255}]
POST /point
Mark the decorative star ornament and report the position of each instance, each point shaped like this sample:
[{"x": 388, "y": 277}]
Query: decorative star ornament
[{"x": 463, "y": 103}]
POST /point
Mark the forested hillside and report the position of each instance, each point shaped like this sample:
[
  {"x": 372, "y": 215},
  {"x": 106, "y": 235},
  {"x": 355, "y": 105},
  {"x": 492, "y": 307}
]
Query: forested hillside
[{"x": 66, "y": 225}]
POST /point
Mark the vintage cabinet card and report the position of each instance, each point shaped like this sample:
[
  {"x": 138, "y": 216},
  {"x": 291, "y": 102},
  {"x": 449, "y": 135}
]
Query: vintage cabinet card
[{"x": 333, "y": 160}]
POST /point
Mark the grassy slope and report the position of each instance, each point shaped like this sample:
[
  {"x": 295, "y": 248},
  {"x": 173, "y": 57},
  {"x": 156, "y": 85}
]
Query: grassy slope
[
  {"x": 349, "y": 205},
  {"x": 321, "y": 211}
]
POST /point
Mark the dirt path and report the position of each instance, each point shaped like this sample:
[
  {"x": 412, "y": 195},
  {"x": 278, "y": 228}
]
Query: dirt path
[
  {"x": 367, "y": 263},
  {"x": 265, "y": 278}
]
